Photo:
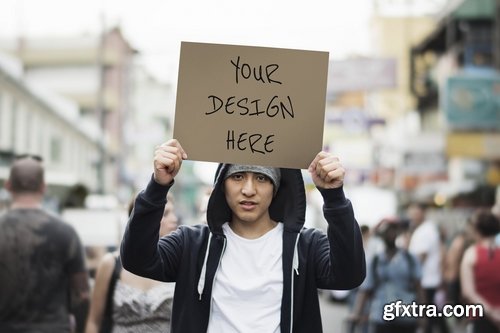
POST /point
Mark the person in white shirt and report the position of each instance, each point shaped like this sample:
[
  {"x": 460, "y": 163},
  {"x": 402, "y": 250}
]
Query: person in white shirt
[{"x": 425, "y": 244}]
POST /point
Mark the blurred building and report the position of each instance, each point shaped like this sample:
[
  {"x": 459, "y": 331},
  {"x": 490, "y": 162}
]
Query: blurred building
[
  {"x": 103, "y": 75},
  {"x": 108, "y": 85},
  {"x": 371, "y": 118},
  {"x": 409, "y": 155},
  {"x": 455, "y": 78},
  {"x": 422, "y": 116},
  {"x": 150, "y": 123},
  {"x": 94, "y": 71},
  {"x": 35, "y": 121}
]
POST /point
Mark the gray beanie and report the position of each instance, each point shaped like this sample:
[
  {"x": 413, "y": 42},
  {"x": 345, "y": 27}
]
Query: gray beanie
[{"x": 272, "y": 173}]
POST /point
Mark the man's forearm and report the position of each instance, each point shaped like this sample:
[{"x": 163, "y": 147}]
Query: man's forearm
[
  {"x": 344, "y": 235},
  {"x": 139, "y": 245},
  {"x": 80, "y": 299}
]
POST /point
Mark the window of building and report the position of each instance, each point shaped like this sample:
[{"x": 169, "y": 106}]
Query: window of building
[
  {"x": 1, "y": 111},
  {"x": 55, "y": 150},
  {"x": 13, "y": 125}
]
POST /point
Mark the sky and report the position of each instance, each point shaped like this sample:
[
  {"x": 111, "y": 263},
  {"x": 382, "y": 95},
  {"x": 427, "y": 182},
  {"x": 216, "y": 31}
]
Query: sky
[{"x": 156, "y": 27}]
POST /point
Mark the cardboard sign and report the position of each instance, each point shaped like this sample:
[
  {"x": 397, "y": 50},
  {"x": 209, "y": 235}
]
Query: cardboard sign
[{"x": 251, "y": 105}]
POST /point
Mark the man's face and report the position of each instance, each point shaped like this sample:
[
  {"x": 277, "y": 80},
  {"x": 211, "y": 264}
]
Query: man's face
[
  {"x": 249, "y": 196},
  {"x": 390, "y": 234},
  {"x": 416, "y": 214}
]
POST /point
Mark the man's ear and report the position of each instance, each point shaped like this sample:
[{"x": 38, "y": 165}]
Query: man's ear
[{"x": 43, "y": 188}]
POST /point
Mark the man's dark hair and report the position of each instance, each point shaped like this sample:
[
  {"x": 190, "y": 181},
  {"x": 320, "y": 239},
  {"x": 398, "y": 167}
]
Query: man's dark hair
[
  {"x": 26, "y": 176},
  {"x": 485, "y": 222}
]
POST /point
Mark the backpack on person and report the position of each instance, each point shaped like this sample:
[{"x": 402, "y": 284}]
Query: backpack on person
[
  {"x": 406, "y": 296},
  {"x": 408, "y": 257}
]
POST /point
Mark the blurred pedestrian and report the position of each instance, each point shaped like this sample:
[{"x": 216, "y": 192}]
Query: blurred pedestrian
[
  {"x": 371, "y": 242},
  {"x": 125, "y": 302},
  {"x": 392, "y": 275},
  {"x": 496, "y": 211},
  {"x": 451, "y": 270},
  {"x": 454, "y": 254},
  {"x": 372, "y": 245},
  {"x": 253, "y": 267},
  {"x": 43, "y": 278},
  {"x": 426, "y": 245},
  {"x": 480, "y": 273}
]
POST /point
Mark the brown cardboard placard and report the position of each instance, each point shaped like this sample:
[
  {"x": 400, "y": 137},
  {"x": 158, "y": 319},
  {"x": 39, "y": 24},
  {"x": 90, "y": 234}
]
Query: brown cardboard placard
[{"x": 251, "y": 105}]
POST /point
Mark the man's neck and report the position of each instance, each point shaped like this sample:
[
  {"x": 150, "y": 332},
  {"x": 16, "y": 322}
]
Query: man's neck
[
  {"x": 487, "y": 241},
  {"x": 252, "y": 230},
  {"x": 26, "y": 201},
  {"x": 391, "y": 250},
  {"x": 415, "y": 224}
]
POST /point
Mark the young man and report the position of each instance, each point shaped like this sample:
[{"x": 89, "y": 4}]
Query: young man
[
  {"x": 253, "y": 267},
  {"x": 43, "y": 277}
]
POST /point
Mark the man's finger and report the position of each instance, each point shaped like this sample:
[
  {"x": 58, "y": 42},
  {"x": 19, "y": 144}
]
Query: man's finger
[
  {"x": 314, "y": 163},
  {"x": 326, "y": 165},
  {"x": 167, "y": 160},
  {"x": 165, "y": 150},
  {"x": 336, "y": 174},
  {"x": 176, "y": 144}
]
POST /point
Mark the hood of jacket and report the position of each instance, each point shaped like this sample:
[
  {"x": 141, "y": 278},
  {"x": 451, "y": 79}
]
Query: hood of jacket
[{"x": 288, "y": 205}]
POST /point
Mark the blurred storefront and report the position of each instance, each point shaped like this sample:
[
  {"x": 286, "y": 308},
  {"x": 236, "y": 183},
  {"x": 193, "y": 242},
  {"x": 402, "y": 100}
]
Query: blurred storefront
[
  {"x": 371, "y": 122},
  {"x": 455, "y": 79}
]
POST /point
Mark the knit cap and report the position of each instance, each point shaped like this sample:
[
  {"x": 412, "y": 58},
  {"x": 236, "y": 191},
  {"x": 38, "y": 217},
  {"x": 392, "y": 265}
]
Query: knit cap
[{"x": 273, "y": 174}]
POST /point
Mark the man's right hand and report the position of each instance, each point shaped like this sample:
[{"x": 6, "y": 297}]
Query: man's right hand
[{"x": 167, "y": 161}]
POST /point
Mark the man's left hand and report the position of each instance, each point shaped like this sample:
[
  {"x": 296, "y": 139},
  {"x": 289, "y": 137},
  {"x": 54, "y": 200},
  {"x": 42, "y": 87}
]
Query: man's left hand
[{"x": 326, "y": 171}]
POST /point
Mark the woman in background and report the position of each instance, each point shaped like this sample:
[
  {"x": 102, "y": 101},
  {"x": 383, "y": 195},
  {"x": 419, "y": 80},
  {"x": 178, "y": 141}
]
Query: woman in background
[
  {"x": 479, "y": 273},
  {"x": 125, "y": 302}
]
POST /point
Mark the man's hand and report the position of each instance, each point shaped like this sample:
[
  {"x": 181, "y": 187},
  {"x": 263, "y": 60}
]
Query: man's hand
[
  {"x": 168, "y": 160},
  {"x": 326, "y": 171}
]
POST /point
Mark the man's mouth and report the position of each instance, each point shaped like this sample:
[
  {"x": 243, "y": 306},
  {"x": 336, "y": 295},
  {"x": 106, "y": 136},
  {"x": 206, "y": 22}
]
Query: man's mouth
[{"x": 248, "y": 204}]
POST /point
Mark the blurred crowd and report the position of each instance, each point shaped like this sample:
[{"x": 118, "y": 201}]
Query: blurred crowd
[
  {"x": 409, "y": 259},
  {"x": 51, "y": 282},
  {"x": 412, "y": 259}
]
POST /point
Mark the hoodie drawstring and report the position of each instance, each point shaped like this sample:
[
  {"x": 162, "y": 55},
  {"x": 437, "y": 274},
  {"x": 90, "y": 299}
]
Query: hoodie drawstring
[
  {"x": 295, "y": 267},
  {"x": 295, "y": 263},
  {"x": 201, "y": 281}
]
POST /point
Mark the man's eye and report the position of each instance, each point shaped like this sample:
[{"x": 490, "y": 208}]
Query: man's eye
[
  {"x": 262, "y": 178},
  {"x": 237, "y": 176}
]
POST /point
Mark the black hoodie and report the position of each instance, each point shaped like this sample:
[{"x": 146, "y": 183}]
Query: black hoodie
[{"x": 311, "y": 259}]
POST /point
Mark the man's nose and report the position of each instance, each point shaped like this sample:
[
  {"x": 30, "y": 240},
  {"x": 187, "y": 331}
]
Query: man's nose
[{"x": 248, "y": 186}]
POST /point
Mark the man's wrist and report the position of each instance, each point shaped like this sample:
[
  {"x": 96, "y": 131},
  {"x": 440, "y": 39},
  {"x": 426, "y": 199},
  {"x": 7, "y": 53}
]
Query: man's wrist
[
  {"x": 157, "y": 193},
  {"x": 334, "y": 197}
]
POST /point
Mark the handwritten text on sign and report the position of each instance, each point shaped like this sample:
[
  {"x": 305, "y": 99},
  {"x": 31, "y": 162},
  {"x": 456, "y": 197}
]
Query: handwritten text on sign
[{"x": 250, "y": 105}]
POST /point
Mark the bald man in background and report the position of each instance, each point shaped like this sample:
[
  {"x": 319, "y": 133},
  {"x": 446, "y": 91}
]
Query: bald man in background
[{"x": 43, "y": 278}]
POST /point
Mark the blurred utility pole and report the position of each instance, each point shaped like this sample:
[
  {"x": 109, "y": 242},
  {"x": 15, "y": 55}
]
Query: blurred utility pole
[
  {"x": 496, "y": 36},
  {"x": 101, "y": 108}
]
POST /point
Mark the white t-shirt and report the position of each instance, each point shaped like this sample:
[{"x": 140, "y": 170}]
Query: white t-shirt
[
  {"x": 248, "y": 286},
  {"x": 425, "y": 239}
]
